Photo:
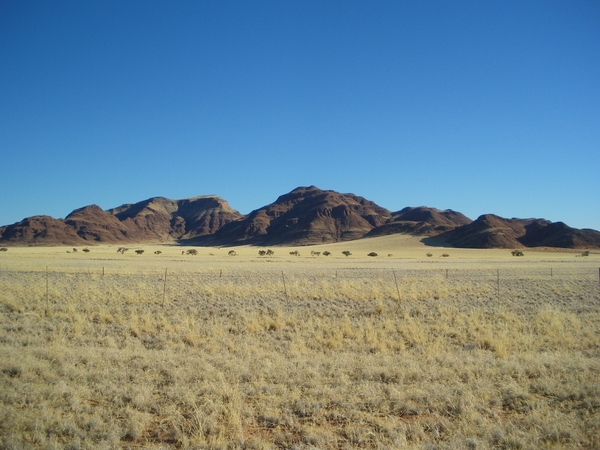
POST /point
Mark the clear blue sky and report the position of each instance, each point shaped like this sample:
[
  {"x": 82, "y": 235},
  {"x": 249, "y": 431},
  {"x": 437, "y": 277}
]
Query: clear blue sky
[{"x": 477, "y": 106}]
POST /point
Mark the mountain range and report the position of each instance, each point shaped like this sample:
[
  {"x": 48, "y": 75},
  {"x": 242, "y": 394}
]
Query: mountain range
[{"x": 304, "y": 216}]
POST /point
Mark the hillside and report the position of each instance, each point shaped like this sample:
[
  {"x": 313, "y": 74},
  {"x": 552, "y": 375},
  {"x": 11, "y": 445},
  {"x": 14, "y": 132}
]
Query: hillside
[{"x": 304, "y": 216}]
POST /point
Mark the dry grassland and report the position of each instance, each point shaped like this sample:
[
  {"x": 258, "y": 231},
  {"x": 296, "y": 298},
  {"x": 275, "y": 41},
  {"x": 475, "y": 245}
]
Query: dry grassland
[{"x": 336, "y": 352}]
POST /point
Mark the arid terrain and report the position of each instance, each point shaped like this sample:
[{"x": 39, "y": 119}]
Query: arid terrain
[{"x": 476, "y": 349}]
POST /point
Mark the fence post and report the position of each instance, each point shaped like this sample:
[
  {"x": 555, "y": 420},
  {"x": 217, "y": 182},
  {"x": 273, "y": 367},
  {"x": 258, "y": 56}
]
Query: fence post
[
  {"x": 396, "y": 281},
  {"x": 498, "y": 278},
  {"x": 284, "y": 287},
  {"x": 165, "y": 288}
]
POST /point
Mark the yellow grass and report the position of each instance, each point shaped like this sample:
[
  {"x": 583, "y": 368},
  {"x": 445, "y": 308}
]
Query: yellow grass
[{"x": 401, "y": 351}]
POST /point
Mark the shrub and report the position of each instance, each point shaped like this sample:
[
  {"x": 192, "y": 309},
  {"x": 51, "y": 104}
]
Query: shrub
[
  {"x": 390, "y": 255},
  {"x": 139, "y": 252},
  {"x": 270, "y": 252},
  {"x": 326, "y": 253},
  {"x": 157, "y": 252},
  {"x": 313, "y": 253},
  {"x": 262, "y": 252},
  {"x": 372, "y": 254},
  {"x": 346, "y": 252},
  {"x": 120, "y": 250},
  {"x": 192, "y": 252},
  {"x": 586, "y": 253},
  {"x": 85, "y": 250},
  {"x": 232, "y": 253},
  {"x": 445, "y": 255},
  {"x": 517, "y": 253},
  {"x": 429, "y": 255},
  {"x": 3, "y": 249},
  {"x": 74, "y": 250},
  {"x": 295, "y": 253}
]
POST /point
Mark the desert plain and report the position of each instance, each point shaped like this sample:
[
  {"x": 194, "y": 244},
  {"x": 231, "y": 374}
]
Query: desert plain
[{"x": 478, "y": 349}]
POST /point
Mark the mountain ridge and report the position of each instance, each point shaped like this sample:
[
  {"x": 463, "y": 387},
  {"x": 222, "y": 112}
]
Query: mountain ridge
[{"x": 304, "y": 216}]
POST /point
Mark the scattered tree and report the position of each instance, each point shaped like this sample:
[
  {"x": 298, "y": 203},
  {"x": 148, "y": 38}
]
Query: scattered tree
[
  {"x": 262, "y": 252},
  {"x": 86, "y": 250},
  {"x": 139, "y": 252},
  {"x": 74, "y": 250},
  {"x": 346, "y": 252},
  {"x": 585, "y": 253},
  {"x": 313, "y": 253},
  {"x": 326, "y": 253},
  {"x": 429, "y": 255},
  {"x": 517, "y": 253},
  {"x": 270, "y": 252},
  {"x": 232, "y": 253},
  {"x": 157, "y": 252},
  {"x": 295, "y": 253},
  {"x": 192, "y": 252},
  {"x": 3, "y": 249},
  {"x": 372, "y": 254},
  {"x": 445, "y": 255},
  {"x": 122, "y": 250}
]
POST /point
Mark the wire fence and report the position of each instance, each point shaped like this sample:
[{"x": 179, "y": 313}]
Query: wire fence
[{"x": 570, "y": 287}]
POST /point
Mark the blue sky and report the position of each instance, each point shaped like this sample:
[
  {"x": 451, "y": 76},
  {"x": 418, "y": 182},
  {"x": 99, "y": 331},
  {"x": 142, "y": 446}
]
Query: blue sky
[{"x": 477, "y": 106}]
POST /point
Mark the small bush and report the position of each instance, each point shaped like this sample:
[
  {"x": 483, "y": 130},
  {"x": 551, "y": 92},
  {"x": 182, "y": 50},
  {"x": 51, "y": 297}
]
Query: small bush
[
  {"x": 157, "y": 252},
  {"x": 517, "y": 253},
  {"x": 326, "y": 253},
  {"x": 120, "y": 250},
  {"x": 429, "y": 255},
  {"x": 372, "y": 254},
  {"x": 586, "y": 253},
  {"x": 270, "y": 252},
  {"x": 232, "y": 253},
  {"x": 74, "y": 250},
  {"x": 139, "y": 252},
  {"x": 445, "y": 255},
  {"x": 295, "y": 253},
  {"x": 262, "y": 252},
  {"x": 85, "y": 250},
  {"x": 390, "y": 255},
  {"x": 3, "y": 249},
  {"x": 192, "y": 252},
  {"x": 346, "y": 253}
]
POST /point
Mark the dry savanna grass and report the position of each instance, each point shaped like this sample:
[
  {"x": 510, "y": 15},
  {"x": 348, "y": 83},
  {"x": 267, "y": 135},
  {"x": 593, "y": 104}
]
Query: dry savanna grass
[{"x": 477, "y": 350}]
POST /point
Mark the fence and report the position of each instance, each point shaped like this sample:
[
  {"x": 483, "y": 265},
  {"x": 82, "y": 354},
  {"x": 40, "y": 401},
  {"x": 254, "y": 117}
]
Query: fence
[{"x": 572, "y": 287}]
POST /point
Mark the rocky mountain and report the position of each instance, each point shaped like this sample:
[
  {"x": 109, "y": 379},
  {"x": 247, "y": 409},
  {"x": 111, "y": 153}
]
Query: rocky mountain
[
  {"x": 421, "y": 221},
  {"x": 491, "y": 231},
  {"x": 154, "y": 220},
  {"x": 306, "y": 215}
]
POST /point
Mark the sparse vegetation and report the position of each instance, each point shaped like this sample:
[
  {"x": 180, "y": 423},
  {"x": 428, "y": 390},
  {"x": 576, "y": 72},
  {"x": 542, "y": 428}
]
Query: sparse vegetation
[
  {"x": 338, "y": 361},
  {"x": 232, "y": 253},
  {"x": 192, "y": 252},
  {"x": 74, "y": 250},
  {"x": 585, "y": 253},
  {"x": 429, "y": 255},
  {"x": 313, "y": 253},
  {"x": 517, "y": 253},
  {"x": 122, "y": 250},
  {"x": 445, "y": 255},
  {"x": 85, "y": 250},
  {"x": 372, "y": 254},
  {"x": 3, "y": 249},
  {"x": 326, "y": 253},
  {"x": 262, "y": 252},
  {"x": 139, "y": 251},
  {"x": 295, "y": 253},
  {"x": 346, "y": 253},
  {"x": 270, "y": 252},
  {"x": 157, "y": 252}
]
